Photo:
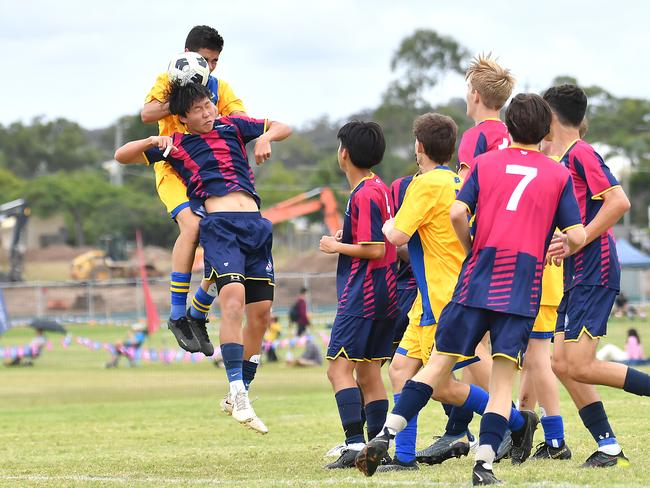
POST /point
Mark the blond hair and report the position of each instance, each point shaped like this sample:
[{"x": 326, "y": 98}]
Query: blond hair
[{"x": 493, "y": 82}]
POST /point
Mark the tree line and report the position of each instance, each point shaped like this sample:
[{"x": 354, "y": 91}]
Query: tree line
[{"x": 57, "y": 165}]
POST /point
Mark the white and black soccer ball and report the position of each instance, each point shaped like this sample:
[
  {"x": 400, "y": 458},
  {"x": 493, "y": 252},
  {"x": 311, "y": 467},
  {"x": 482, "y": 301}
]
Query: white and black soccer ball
[{"x": 188, "y": 67}]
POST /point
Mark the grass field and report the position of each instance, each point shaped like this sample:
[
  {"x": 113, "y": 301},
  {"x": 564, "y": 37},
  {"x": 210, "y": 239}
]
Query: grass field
[{"x": 69, "y": 422}]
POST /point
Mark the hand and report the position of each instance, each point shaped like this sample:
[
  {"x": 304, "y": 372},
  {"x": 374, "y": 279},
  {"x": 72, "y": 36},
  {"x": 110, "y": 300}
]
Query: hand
[
  {"x": 328, "y": 245},
  {"x": 164, "y": 143},
  {"x": 388, "y": 226},
  {"x": 558, "y": 250},
  {"x": 262, "y": 150},
  {"x": 339, "y": 235}
]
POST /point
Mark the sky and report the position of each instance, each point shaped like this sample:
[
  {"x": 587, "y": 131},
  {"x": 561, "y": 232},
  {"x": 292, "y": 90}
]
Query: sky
[{"x": 295, "y": 61}]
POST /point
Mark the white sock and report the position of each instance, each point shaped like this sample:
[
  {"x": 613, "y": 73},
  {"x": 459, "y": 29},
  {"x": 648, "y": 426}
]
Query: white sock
[
  {"x": 486, "y": 454},
  {"x": 611, "y": 449},
  {"x": 236, "y": 386},
  {"x": 356, "y": 446},
  {"x": 395, "y": 423}
]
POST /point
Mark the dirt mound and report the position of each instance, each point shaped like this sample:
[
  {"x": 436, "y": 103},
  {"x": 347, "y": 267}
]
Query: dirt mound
[{"x": 57, "y": 252}]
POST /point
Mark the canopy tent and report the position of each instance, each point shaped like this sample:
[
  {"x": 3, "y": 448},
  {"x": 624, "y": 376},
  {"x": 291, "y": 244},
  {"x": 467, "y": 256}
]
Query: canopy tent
[
  {"x": 629, "y": 256},
  {"x": 634, "y": 266}
]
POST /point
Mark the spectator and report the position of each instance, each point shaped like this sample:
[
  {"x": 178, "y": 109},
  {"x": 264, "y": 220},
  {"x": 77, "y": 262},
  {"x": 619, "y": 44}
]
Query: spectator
[
  {"x": 128, "y": 348},
  {"x": 272, "y": 334},
  {"x": 298, "y": 313},
  {"x": 633, "y": 350},
  {"x": 33, "y": 351},
  {"x": 312, "y": 355}
]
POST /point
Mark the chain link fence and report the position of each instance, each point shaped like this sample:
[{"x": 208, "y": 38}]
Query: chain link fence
[{"x": 116, "y": 301}]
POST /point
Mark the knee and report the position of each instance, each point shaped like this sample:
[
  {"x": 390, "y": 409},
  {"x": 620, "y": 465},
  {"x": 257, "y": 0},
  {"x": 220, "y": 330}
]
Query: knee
[
  {"x": 580, "y": 371},
  {"x": 559, "y": 366},
  {"x": 260, "y": 319},
  {"x": 189, "y": 228},
  {"x": 398, "y": 376},
  {"x": 232, "y": 309}
]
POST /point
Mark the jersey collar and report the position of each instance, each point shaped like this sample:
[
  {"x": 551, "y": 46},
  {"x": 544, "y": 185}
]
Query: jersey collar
[{"x": 369, "y": 177}]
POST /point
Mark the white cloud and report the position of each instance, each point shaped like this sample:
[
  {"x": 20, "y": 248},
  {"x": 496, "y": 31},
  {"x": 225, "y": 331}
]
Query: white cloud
[{"x": 297, "y": 60}]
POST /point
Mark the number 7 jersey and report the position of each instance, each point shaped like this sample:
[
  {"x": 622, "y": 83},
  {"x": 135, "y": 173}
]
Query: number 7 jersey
[{"x": 519, "y": 197}]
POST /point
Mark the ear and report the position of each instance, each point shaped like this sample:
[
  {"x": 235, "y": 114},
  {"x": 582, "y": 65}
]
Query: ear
[
  {"x": 419, "y": 147},
  {"x": 344, "y": 153},
  {"x": 183, "y": 119}
]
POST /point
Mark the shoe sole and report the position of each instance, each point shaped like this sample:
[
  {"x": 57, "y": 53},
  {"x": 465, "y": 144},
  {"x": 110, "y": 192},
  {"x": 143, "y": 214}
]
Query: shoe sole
[
  {"x": 619, "y": 463},
  {"x": 455, "y": 452},
  {"x": 368, "y": 459}
]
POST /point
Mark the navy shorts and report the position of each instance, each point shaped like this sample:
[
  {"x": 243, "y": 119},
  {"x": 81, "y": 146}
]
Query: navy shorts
[
  {"x": 361, "y": 339},
  {"x": 237, "y": 249},
  {"x": 585, "y": 309},
  {"x": 461, "y": 328},
  {"x": 405, "y": 299}
]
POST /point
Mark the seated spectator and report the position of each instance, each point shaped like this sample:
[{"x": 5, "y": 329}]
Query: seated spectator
[
  {"x": 130, "y": 347},
  {"x": 633, "y": 353},
  {"x": 311, "y": 356},
  {"x": 31, "y": 352},
  {"x": 272, "y": 334}
]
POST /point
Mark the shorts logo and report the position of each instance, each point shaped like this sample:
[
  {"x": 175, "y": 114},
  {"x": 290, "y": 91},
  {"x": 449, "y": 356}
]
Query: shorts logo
[
  {"x": 235, "y": 278},
  {"x": 226, "y": 264},
  {"x": 269, "y": 266}
]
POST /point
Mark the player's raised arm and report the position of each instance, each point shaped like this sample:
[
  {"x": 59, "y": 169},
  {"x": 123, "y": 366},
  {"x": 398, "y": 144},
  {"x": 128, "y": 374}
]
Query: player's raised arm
[
  {"x": 277, "y": 131},
  {"x": 153, "y": 111},
  {"x": 133, "y": 152}
]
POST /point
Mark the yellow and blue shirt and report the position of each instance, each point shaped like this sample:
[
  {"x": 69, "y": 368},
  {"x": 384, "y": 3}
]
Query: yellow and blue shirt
[{"x": 435, "y": 252}]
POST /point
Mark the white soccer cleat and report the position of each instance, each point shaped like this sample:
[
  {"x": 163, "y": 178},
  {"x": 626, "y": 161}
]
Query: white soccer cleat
[
  {"x": 226, "y": 404},
  {"x": 336, "y": 451},
  {"x": 243, "y": 413}
]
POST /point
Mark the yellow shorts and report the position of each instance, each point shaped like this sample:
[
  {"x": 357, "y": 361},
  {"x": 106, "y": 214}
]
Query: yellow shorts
[
  {"x": 418, "y": 342},
  {"x": 171, "y": 188},
  {"x": 544, "y": 326}
]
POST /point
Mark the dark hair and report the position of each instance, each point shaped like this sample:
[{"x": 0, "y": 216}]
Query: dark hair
[
  {"x": 528, "y": 118},
  {"x": 437, "y": 133},
  {"x": 182, "y": 97},
  {"x": 364, "y": 142},
  {"x": 303, "y": 290},
  {"x": 203, "y": 37},
  {"x": 634, "y": 333},
  {"x": 568, "y": 102}
]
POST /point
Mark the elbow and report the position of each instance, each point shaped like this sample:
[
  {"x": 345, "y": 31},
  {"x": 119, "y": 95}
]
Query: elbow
[
  {"x": 145, "y": 117},
  {"x": 625, "y": 204},
  {"x": 119, "y": 156},
  {"x": 378, "y": 253}
]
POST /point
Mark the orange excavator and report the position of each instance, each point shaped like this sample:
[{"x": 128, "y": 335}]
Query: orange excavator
[{"x": 294, "y": 207}]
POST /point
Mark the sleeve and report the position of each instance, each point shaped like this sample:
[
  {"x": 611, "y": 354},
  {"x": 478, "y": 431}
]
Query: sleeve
[
  {"x": 567, "y": 214},
  {"x": 597, "y": 175},
  {"x": 417, "y": 204},
  {"x": 469, "y": 192},
  {"x": 465, "y": 151},
  {"x": 228, "y": 102},
  {"x": 394, "y": 191},
  {"x": 154, "y": 155},
  {"x": 369, "y": 219},
  {"x": 249, "y": 128},
  {"x": 159, "y": 90}
]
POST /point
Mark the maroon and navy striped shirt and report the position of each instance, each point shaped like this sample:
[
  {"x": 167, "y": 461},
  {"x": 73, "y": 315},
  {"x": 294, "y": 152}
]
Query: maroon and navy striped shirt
[
  {"x": 405, "y": 278},
  {"x": 519, "y": 197},
  {"x": 367, "y": 287},
  {"x": 484, "y": 137},
  {"x": 597, "y": 263},
  {"x": 216, "y": 163}
]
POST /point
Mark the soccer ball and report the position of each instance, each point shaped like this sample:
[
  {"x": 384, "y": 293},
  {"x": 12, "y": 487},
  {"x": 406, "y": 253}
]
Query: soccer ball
[{"x": 188, "y": 67}]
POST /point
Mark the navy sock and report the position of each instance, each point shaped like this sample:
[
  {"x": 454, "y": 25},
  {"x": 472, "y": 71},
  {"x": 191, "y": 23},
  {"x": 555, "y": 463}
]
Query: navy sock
[
  {"x": 596, "y": 421},
  {"x": 233, "y": 358},
  {"x": 553, "y": 430},
  {"x": 516, "y": 421},
  {"x": 201, "y": 304},
  {"x": 349, "y": 403},
  {"x": 179, "y": 287},
  {"x": 413, "y": 398},
  {"x": 459, "y": 421},
  {"x": 405, "y": 440},
  {"x": 447, "y": 408},
  {"x": 375, "y": 417},
  {"x": 637, "y": 382},
  {"x": 249, "y": 368},
  {"x": 493, "y": 429},
  {"x": 477, "y": 399}
]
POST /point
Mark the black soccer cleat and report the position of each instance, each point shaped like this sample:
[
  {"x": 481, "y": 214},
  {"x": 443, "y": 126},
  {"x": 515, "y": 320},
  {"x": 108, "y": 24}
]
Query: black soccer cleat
[
  {"x": 522, "y": 440},
  {"x": 397, "y": 465},
  {"x": 345, "y": 460},
  {"x": 201, "y": 333},
  {"x": 443, "y": 448},
  {"x": 600, "y": 459},
  {"x": 481, "y": 475},
  {"x": 183, "y": 334},
  {"x": 371, "y": 456},
  {"x": 544, "y": 451}
]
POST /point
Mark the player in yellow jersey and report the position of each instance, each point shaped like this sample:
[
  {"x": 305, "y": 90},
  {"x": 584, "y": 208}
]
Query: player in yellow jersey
[
  {"x": 188, "y": 325},
  {"x": 436, "y": 257}
]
